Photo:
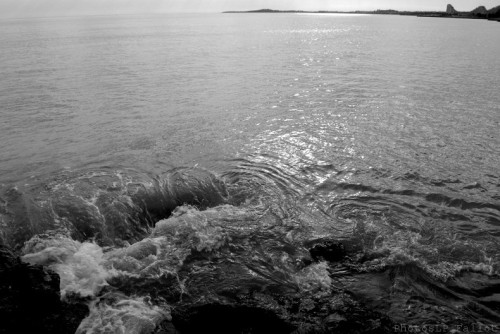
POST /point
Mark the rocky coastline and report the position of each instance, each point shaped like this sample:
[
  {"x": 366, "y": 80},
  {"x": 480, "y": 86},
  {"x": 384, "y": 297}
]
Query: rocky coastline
[{"x": 480, "y": 12}]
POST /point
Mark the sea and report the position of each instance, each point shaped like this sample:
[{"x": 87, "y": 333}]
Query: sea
[{"x": 256, "y": 173}]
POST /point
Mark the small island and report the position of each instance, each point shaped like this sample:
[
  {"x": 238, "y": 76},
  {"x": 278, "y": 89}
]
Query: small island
[{"x": 480, "y": 12}]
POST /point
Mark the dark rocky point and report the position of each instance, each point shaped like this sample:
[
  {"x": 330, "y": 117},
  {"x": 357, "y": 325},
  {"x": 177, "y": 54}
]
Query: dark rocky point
[
  {"x": 481, "y": 10},
  {"x": 450, "y": 10},
  {"x": 30, "y": 301},
  {"x": 328, "y": 250}
]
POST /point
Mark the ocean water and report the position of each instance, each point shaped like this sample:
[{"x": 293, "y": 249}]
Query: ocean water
[{"x": 307, "y": 173}]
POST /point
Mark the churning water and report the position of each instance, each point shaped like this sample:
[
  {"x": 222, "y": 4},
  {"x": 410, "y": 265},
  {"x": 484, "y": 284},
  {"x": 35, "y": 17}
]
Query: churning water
[{"x": 308, "y": 173}]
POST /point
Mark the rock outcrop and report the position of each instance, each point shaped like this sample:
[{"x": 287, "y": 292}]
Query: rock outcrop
[
  {"x": 494, "y": 12},
  {"x": 30, "y": 299},
  {"x": 450, "y": 9},
  {"x": 478, "y": 13},
  {"x": 481, "y": 10}
]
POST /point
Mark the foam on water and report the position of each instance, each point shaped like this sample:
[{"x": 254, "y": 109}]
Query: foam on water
[
  {"x": 433, "y": 247},
  {"x": 315, "y": 278},
  {"x": 266, "y": 250},
  {"x": 123, "y": 316},
  {"x": 213, "y": 255},
  {"x": 84, "y": 267},
  {"x": 195, "y": 228},
  {"x": 171, "y": 242},
  {"x": 80, "y": 265},
  {"x": 144, "y": 258}
]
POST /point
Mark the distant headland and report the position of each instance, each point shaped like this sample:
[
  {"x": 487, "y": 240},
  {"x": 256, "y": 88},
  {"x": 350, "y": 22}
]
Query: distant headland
[{"x": 478, "y": 13}]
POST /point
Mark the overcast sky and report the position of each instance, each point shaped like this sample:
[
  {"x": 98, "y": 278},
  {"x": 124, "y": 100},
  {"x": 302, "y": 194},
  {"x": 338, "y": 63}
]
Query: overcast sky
[{"x": 28, "y": 8}]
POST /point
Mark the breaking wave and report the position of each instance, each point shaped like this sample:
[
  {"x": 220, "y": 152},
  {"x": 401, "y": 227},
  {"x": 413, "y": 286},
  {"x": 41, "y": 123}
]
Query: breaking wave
[{"x": 178, "y": 251}]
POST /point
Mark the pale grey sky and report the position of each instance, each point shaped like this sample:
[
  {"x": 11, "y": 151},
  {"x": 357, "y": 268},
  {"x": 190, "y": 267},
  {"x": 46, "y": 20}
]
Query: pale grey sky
[{"x": 29, "y": 8}]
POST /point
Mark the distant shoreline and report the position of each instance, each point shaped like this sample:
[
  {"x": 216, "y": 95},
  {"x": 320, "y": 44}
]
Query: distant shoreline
[{"x": 495, "y": 16}]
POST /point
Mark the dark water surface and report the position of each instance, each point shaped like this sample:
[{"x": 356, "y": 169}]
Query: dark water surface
[{"x": 308, "y": 173}]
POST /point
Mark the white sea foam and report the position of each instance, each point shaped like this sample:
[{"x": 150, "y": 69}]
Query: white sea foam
[
  {"x": 84, "y": 268},
  {"x": 171, "y": 242},
  {"x": 126, "y": 316},
  {"x": 314, "y": 278},
  {"x": 199, "y": 230},
  {"x": 434, "y": 248},
  {"x": 150, "y": 257},
  {"x": 79, "y": 265}
]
